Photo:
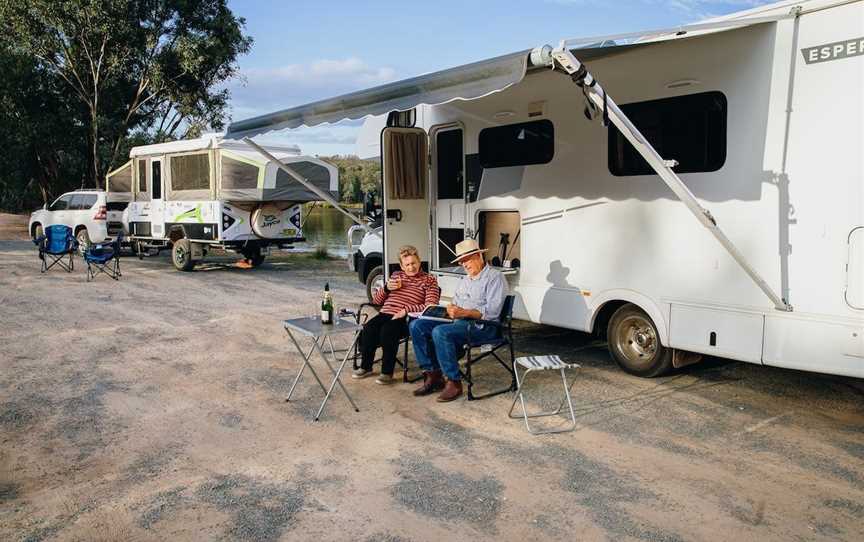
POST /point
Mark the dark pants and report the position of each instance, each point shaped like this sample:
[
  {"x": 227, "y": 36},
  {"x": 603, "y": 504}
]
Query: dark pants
[{"x": 385, "y": 332}]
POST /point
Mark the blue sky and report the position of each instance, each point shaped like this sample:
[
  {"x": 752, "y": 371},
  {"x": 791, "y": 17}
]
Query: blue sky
[{"x": 306, "y": 50}]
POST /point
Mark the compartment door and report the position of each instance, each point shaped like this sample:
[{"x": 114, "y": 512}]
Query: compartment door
[{"x": 405, "y": 173}]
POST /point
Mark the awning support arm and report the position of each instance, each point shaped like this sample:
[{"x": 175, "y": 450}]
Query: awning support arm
[
  {"x": 563, "y": 59},
  {"x": 305, "y": 182}
]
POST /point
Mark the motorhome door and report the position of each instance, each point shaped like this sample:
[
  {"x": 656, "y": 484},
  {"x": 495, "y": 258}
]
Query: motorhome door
[
  {"x": 448, "y": 188},
  {"x": 405, "y": 172},
  {"x": 157, "y": 204}
]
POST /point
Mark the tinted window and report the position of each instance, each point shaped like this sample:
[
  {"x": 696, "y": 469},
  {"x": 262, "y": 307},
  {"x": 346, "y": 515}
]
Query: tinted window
[
  {"x": 156, "y": 169},
  {"x": 520, "y": 144},
  {"x": 690, "y": 129},
  {"x": 61, "y": 204},
  {"x": 88, "y": 201},
  {"x": 449, "y": 164},
  {"x": 142, "y": 175},
  {"x": 77, "y": 202}
]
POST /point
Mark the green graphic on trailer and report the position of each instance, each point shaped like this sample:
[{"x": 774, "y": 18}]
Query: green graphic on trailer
[{"x": 191, "y": 213}]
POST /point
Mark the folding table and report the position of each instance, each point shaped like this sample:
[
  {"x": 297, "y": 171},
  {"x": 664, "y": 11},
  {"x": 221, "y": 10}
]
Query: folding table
[{"x": 312, "y": 327}]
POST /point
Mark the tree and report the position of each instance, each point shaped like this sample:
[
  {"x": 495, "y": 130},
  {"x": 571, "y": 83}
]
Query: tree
[{"x": 153, "y": 65}]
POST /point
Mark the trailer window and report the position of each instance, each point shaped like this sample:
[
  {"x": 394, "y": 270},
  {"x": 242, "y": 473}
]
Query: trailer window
[
  {"x": 121, "y": 180},
  {"x": 690, "y": 129},
  {"x": 237, "y": 174},
  {"x": 449, "y": 164},
  {"x": 190, "y": 172},
  {"x": 142, "y": 175},
  {"x": 520, "y": 144}
]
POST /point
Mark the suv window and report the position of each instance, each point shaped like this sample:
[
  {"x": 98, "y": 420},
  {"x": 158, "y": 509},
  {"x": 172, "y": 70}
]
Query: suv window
[
  {"x": 61, "y": 203},
  {"x": 82, "y": 202}
]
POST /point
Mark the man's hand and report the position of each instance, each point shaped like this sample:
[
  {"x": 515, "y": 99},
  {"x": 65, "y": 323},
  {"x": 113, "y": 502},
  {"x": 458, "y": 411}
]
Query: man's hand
[
  {"x": 453, "y": 311},
  {"x": 456, "y": 312},
  {"x": 401, "y": 314}
]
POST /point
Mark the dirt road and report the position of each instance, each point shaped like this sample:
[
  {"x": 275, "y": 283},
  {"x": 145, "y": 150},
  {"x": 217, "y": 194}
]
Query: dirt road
[{"x": 153, "y": 409}]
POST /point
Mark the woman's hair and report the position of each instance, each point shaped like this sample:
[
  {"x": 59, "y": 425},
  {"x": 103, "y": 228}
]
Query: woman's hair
[{"x": 407, "y": 250}]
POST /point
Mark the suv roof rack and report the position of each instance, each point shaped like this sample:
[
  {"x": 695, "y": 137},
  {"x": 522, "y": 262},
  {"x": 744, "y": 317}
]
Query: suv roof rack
[{"x": 89, "y": 190}]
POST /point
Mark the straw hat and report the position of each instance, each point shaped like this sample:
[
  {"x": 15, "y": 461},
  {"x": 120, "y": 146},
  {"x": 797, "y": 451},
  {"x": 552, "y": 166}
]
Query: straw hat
[{"x": 466, "y": 248}]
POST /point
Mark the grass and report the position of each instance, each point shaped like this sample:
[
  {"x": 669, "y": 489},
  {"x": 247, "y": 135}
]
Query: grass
[{"x": 321, "y": 253}]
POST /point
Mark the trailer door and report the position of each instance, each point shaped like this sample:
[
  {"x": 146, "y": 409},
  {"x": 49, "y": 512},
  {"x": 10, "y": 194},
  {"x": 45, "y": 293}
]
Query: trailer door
[
  {"x": 157, "y": 203},
  {"x": 405, "y": 174},
  {"x": 448, "y": 193}
]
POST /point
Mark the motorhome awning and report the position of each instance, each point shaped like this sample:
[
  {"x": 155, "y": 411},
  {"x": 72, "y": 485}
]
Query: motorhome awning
[{"x": 467, "y": 82}]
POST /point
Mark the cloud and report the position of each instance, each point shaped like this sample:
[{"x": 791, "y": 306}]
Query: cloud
[{"x": 263, "y": 90}]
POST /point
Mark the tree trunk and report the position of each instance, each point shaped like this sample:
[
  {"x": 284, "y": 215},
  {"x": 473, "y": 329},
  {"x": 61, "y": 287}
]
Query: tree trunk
[{"x": 94, "y": 149}]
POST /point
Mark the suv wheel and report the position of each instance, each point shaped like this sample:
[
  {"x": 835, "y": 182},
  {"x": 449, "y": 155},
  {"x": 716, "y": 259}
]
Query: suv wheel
[
  {"x": 38, "y": 231},
  {"x": 374, "y": 280},
  {"x": 83, "y": 240}
]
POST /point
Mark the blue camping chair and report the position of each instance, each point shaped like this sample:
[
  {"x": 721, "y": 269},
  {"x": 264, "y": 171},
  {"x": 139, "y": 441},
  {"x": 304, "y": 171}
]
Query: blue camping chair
[
  {"x": 104, "y": 258},
  {"x": 55, "y": 245}
]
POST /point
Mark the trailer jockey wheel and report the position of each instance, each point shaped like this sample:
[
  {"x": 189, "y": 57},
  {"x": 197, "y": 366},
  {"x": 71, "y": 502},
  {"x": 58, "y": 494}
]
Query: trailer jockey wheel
[
  {"x": 635, "y": 343},
  {"x": 254, "y": 257},
  {"x": 181, "y": 255}
]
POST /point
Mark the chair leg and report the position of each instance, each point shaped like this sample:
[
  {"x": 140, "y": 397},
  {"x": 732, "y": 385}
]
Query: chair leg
[
  {"x": 525, "y": 415},
  {"x": 405, "y": 365}
]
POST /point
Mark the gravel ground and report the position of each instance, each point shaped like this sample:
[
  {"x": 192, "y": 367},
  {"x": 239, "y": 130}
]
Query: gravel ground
[{"x": 153, "y": 409}]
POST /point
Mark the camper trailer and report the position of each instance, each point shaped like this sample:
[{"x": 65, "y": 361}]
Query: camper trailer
[
  {"x": 687, "y": 191},
  {"x": 193, "y": 195}
]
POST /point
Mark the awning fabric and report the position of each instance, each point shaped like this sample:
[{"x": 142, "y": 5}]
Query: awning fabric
[{"x": 467, "y": 82}]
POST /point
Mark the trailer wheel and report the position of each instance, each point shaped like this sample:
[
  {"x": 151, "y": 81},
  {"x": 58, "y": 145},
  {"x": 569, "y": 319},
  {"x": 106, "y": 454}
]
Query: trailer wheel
[
  {"x": 635, "y": 343},
  {"x": 181, "y": 255},
  {"x": 255, "y": 260},
  {"x": 374, "y": 280}
]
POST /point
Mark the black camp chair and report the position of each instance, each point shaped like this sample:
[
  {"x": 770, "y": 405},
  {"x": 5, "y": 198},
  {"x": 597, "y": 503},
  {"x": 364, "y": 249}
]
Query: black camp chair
[
  {"x": 104, "y": 258},
  {"x": 57, "y": 246},
  {"x": 502, "y": 339},
  {"x": 361, "y": 318}
]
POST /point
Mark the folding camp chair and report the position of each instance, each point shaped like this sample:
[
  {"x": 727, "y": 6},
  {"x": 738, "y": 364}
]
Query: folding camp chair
[
  {"x": 104, "y": 258},
  {"x": 57, "y": 244},
  {"x": 502, "y": 339},
  {"x": 543, "y": 363},
  {"x": 361, "y": 318}
]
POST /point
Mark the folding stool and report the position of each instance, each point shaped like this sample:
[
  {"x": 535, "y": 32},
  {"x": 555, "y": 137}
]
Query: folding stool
[{"x": 532, "y": 364}]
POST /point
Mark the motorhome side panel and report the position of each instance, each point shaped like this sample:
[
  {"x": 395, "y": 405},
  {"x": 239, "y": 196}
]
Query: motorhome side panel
[{"x": 819, "y": 167}]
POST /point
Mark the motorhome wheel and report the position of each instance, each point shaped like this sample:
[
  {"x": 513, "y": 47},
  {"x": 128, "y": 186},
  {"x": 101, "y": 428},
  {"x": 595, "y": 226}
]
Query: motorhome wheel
[
  {"x": 83, "y": 240},
  {"x": 635, "y": 343},
  {"x": 181, "y": 255},
  {"x": 374, "y": 280}
]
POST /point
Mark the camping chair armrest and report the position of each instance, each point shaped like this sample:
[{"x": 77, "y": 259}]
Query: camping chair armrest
[
  {"x": 360, "y": 312},
  {"x": 39, "y": 240}
]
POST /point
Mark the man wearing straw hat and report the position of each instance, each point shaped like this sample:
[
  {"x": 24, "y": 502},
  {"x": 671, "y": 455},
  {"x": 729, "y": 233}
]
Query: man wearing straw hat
[{"x": 479, "y": 296}]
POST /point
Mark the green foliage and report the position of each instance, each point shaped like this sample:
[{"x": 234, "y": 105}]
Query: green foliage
[
  {"x": 356, "y": 177},
  {"x": 108, "y": 69}
]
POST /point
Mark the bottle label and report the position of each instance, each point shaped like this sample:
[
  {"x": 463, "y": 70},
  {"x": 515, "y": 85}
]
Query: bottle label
[{"x": 325, "y": 317}]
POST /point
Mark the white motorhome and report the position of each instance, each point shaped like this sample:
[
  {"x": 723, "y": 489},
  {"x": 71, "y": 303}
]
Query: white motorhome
[
  {"x": 719, "y": 210},
  {"x": 208, "y": 192}
]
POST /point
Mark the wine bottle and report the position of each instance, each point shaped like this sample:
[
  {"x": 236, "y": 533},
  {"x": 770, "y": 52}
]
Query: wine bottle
[{"x": 327, "y": 306}]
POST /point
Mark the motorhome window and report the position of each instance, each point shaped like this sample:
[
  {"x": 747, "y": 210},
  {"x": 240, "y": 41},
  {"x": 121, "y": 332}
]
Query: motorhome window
[
  {"x": 522, "y": 144},
  {"x": 190, "y": 172},
  {"x": 156, "y": 168},
  {"x": 237, "y": 174},
  {"x": 121, "y": 180},
  {"x": 142, "y": 175},
  {"x": 689, "y": 129},
  {"x": 405, "y": 164},
  {"x": 449, "y": 164},
  {"x": 61, "y": 204}
]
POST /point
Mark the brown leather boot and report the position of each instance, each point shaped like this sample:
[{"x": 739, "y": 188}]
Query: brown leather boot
[
  {"x": 432, "y": 382},
  {"x": 452, "y": 390}
]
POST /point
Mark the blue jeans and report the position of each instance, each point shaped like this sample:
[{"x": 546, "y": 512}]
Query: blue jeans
[{"x": 439, "y": 345}]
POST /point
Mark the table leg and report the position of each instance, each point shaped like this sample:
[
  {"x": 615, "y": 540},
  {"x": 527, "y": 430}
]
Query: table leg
[
  {"x": 306, "y": 358},
  {"x": 336, "y": 374}
]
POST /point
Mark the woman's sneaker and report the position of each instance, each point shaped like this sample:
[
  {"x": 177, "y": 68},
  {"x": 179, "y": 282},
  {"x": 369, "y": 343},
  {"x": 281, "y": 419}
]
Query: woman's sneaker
[
  {"x": 359, "y": 373},
  {"x": 384, "y": 380}
]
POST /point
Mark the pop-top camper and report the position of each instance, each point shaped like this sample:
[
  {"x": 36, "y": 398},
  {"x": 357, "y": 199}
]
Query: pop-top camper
[
  {"x": 693, "y": 190},
  {"x": 200, "y": 193}
]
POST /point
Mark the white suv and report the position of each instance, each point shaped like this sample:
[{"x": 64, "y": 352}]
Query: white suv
[{"x": 84, "y": 211}]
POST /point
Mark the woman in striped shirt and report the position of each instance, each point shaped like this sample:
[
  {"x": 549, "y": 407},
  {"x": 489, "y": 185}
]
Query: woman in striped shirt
[{"x": 408, "y": 290}]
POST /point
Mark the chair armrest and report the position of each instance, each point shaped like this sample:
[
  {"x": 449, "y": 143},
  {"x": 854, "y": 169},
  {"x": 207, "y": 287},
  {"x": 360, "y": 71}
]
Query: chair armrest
[
  {"x": 494, "y": 323},
  {"x": 39, "y": 240}
]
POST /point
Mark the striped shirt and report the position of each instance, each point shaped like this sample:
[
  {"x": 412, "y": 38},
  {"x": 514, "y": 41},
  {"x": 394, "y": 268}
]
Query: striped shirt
[{"x": 416, "y": 293}]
